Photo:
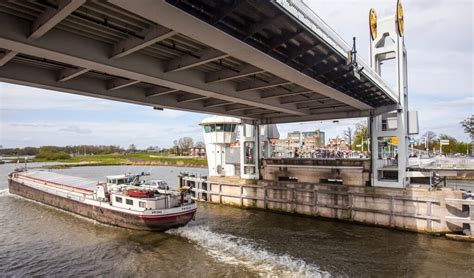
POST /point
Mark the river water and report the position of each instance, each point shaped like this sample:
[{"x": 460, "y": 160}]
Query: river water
[{"x": 39, "y": 240}]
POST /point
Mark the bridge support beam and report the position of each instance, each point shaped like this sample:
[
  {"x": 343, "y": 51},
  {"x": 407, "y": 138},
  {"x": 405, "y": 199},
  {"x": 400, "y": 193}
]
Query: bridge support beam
[
  {"x": 188, "y": 61},
  {"x": 7, "y": 56},
  {"x": 229, "y": 74},
  {"x": 81, "y": 52},
  {"x": 171, "y": 17},
  {"x": 69, "y": 73},
  {"x": 20, "y": 74},
  {"x": 51, "y": 17},
  {"x": 150, "y": 36}
]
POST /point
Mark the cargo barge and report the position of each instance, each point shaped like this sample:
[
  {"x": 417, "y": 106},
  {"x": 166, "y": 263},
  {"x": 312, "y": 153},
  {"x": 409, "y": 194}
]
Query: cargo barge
[{"x": 122, "y": 201}]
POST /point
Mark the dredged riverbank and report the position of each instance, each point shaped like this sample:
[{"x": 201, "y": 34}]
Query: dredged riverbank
[{"x": 40, "y": 240}]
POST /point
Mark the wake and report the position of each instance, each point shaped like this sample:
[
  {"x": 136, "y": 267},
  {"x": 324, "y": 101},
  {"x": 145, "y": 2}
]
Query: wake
[
  {"x": 4, "y": 192},
  {"x": 235, "y": 250}
]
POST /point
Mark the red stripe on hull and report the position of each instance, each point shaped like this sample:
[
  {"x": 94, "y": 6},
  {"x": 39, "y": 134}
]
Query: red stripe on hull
[{"x": 168, "y": 219}]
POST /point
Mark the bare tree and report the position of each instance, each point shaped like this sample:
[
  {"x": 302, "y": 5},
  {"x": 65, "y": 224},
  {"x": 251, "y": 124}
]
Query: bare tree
[
  {"x": 468, "y": 125},
  {"x": 185, "y": 143},
  {"x": 430, "y": 137},
  {"x": 132, "y": 148},
  {"x": 199, "y": 144},
  {"x": 176, "y": 146}
]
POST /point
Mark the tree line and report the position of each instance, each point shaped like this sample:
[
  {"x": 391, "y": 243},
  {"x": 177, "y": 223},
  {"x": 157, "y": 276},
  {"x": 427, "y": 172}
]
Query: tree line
[
  {"x": 67, "y": 150},
  {"x": 181, "y": 146},
  {"x": 433, "y": 143},
  {"x": 358, "y": 138}
]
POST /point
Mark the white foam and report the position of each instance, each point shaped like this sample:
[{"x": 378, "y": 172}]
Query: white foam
[
  {"x": 235, "y": 250},
  {"x": 4, "y": 192}
]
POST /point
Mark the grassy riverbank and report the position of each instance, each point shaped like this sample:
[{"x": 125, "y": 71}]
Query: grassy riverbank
[{"x": 148, "y": 159}]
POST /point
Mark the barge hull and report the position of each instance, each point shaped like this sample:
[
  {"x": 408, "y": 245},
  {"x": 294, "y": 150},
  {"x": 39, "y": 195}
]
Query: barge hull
[{"x": 103, "y": 215}]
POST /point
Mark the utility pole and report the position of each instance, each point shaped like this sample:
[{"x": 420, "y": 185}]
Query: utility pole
[
  {"x": 348, "y": 135},
  {"x": 426, "y": 143}
]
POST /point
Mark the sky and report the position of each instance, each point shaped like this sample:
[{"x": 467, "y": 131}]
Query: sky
[{"x": 439, "y": 38}]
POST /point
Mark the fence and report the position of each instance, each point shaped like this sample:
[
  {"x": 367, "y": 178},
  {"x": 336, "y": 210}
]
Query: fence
[{"x": 458, "y": 163}]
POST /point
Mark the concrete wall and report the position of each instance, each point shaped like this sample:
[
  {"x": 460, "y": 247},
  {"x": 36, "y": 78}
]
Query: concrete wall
[
  {"x": 352, "y": 172},
  {"x": 413, "y": 209}
]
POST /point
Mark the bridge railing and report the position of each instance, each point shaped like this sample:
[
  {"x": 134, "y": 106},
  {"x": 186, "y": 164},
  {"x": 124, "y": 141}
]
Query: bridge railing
[
  {"x": 444, "y": 163},
  {"x": 308, "y": 17}
]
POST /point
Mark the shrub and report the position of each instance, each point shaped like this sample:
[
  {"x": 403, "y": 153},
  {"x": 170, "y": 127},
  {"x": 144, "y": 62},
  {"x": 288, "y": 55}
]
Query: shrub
[{"x": 49, "y": 155}]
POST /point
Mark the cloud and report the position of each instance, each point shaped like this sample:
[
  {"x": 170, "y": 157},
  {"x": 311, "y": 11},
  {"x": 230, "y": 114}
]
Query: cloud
[
  {"x": 467, "y": 101},
  {"x": 28, "y": 98},
  {"x": 142, "y": 134},
  {"x": 31, "y": 125},
  {"x": 75, "y": 129}
]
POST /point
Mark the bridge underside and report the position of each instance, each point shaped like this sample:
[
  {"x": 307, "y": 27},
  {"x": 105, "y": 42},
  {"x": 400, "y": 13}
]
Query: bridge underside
[{"x": 252, "y": 60}]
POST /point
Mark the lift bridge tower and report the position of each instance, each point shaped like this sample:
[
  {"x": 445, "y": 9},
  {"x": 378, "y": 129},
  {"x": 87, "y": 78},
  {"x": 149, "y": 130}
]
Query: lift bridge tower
[{"x": 391, "y": 131}]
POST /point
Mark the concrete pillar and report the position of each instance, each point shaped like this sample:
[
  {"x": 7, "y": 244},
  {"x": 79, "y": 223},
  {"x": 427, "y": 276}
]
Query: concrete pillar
[
  {"x": 380, "y": 50},
  {"x": 249, "y": 151}
]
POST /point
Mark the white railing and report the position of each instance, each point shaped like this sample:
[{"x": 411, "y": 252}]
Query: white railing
[
  {"x": 460, "y": 163},
  {"x": 308, "y": 17}
]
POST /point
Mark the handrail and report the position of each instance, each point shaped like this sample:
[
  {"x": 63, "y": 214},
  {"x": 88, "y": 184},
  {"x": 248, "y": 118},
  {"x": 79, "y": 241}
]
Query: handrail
[{"x": 306, "y": 16}]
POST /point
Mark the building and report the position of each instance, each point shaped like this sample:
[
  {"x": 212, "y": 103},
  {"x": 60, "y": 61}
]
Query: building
[
  {"x": 338, "y": 144},
  {"x": 198, "y": 151},
  {"x": 306, "y": 142},
  {"x": 153, "y": 149}
]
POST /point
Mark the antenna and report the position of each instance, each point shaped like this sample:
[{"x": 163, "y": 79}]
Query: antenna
[{"x": 352, "y": 61}]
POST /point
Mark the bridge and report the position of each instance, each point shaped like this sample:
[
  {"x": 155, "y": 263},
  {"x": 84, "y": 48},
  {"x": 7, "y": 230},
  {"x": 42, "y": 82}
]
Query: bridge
[{"x": 263, "y": 61}]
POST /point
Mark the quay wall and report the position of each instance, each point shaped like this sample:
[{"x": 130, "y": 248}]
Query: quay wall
[
  {"x": 411, "y": 209},
  {"x": 350, "y": 172}
]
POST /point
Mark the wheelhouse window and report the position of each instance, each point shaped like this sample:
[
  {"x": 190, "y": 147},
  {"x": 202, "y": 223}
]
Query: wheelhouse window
[
  {"x": 219, "y": 127},
  {"x": 162, "y": 185},
  {"x": 122, "y": 181},
  {"x": 129, "y": 202},
  {"x": 118, "y": 199},
  {"x": 142, "y": 204}
]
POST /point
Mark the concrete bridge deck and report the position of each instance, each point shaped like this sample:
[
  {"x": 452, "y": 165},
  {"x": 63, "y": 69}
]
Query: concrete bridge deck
[{"x": 265, "y": 61}]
